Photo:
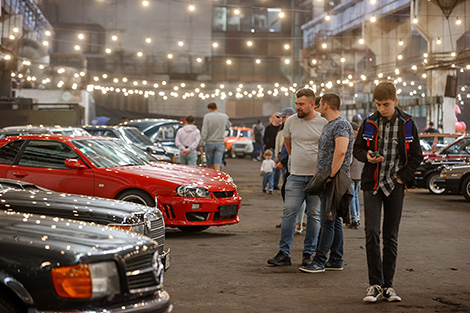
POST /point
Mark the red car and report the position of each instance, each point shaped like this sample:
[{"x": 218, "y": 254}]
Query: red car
[{"x": 190, "y": 198}]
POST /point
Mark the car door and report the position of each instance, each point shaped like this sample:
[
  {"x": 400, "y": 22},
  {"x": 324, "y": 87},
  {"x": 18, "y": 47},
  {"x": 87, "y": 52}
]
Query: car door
[{"x": 42, "y": 162}]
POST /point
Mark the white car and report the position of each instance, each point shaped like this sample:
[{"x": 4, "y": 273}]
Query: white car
[{"x": 242, "y": 148}]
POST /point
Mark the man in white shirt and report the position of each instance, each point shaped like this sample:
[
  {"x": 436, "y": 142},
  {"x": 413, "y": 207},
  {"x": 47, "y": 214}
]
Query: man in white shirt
[{"x": 301, "y": 134}]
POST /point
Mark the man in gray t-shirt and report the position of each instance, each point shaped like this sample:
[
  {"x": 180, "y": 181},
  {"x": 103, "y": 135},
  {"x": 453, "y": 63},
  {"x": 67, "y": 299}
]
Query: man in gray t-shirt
[
  {"x": 213, "y": 130},
  {"x": 301, "y": 134}
]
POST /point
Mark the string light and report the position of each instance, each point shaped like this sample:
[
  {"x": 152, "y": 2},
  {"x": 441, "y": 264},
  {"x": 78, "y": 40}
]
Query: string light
[
  {"x": 415, "y": 20},
  {"x": 373, "y": 19},
  {"x": 145, "y": 3},
  {"x": 229, "y": 62},
  {"x": 77, "y": 48},
  {"x": 458, "y": 21},
  {"x": 108, "y": 50},
  {"x": 191, "y": 7},
  {"x": 169, "y": 56},
  {"x": 286, "y": 46},
  {"x": 81, "y": 36},
  {"x": 400, "y": 42},
  {"x": 236, "y": 11},
  {"x": 342, "y": 60},
  {"x": 327, "y": 17},
  {"x": 140, "y": 54},
  {"x": 324, "y": 45},
  {"x": 361, "y": 41},
  {"x": 438, "y": 41},
  {"x": 199, "y": 60},
  {"x": 48, "y": 33},
  {"x": 215, "y": 44},
  {"x": 180, "y": 43},
  {"x": 249, "y": 43},
  {"x": 114, "y": 38},
  {"x": 257, "y": 61},
  {"x": 281, "y": 14},
  {"x": 148, "y": 40}
]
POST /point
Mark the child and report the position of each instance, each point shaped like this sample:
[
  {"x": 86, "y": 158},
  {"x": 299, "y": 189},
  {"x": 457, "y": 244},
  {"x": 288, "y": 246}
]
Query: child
[{"x": 267, "y": 171}]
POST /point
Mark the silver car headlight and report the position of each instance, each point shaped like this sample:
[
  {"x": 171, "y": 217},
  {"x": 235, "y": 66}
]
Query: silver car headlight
[{"x": 192, "y": 191}]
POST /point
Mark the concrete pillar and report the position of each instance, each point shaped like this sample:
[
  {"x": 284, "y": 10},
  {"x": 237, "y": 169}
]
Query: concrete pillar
[
  {"x": 435, "y": 23},
  {"x": 382, "y": 38}
]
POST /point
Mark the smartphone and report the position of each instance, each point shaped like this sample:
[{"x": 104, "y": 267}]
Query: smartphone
[{"x": 375, "y": 154}]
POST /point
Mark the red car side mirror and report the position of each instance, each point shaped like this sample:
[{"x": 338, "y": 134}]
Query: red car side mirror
[{"x": 74, "y": 164}]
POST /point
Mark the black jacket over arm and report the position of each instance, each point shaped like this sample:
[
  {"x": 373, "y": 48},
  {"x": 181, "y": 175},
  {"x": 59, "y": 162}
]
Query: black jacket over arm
[{"x": 409, "y": 158}]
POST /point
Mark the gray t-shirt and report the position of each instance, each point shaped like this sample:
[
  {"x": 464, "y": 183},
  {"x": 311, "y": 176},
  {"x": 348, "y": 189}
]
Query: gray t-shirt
[
  {"x": 304, "y": 135},
  {"x": 339, "y": 127},
  {"x": 214, "y": 126}
]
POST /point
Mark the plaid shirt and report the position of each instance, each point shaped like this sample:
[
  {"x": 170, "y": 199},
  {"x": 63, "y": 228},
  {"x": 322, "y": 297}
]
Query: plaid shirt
[{"x": 388, "y": 148}]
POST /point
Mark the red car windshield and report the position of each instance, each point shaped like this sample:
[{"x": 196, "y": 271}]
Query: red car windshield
[{"x": 111, "y": 153}]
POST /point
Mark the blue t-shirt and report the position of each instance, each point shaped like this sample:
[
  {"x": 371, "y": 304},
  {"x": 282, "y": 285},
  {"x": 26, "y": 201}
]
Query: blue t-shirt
[{"x": 339, "y": 127}]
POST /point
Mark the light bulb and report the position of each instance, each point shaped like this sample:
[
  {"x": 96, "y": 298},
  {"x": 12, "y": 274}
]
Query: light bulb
[
  {"x": 415, "y": 20},
  {"x": 373, "y": 19}
]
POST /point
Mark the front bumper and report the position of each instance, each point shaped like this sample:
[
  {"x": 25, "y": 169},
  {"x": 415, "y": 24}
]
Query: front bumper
[
  {"x": 186, "y": 211},
  {"x": 242, "y": 149},
  {"x": 451, "y": 185},
  {"x": 159, "y": 302}
]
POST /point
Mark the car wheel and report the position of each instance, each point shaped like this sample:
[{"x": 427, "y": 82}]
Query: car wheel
[
  {"x": 433, "y": 188},
  {"x": 466, "y": 188},
  {"x": 136, "y": 196},
  {"x": 193, "y": 229},
  {"x": 8, "y": 306}
]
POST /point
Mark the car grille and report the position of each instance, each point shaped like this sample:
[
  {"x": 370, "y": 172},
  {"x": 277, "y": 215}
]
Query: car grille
[
  {"x": 223, "y": 194},
  {"x": 142, "y": 274},
  {"x": 157, "y": 233}
]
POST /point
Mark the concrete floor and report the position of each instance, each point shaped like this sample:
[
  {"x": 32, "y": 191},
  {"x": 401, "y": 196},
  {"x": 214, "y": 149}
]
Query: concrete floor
[{"x": 224, "y": 269}]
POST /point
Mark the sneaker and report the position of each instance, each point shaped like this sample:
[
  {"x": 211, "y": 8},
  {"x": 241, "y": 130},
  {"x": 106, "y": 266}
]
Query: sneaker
[
  {"x": 354, "y": 225},
  {"x": 270, "y": 192},
  {"x": 307, "y": 258},
  {"x": 390, "y": 295},
  {"x": 281, "y": 259},
  {"x": 298, "y": 228},
  {"x": 277, "y": 188},
  {"x": 312, "y": 268},
  {"x": 264, "y": 190},
  {"x": 333, "y": 267},
  {"x": 373, "y": 293}
]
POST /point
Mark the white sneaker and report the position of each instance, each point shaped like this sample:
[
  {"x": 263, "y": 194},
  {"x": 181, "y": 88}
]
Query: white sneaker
[
  {"x": 373, "y": 293},
  {"x": 390, "y": 295}
]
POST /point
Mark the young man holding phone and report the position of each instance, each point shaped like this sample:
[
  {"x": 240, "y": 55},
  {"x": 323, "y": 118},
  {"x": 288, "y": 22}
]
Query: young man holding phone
[{"x": 388, "y": 144}]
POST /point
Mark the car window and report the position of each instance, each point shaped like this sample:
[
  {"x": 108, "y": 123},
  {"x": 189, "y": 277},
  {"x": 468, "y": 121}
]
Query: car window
[
  {"x": 444, "y": 141},
  {"x": 461, "y": 147},
  {"x": 133, "y": 135},
  {"x": 46, "y": 154},
  {"x": 109, "y": 153},
  {"x": 425, "y": 145},
  {"x": 166, "y": 132},
  {"x": 245, "y": 133},
  {"x": 9, "y": 151},
  {"x": 429, "y": 140}
]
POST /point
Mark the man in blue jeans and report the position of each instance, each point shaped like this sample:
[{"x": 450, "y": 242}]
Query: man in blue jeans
[
  {"x": 301, "y": 133},
  {"x": 334, "y": 153},
  {"x": 213, "y": 130}
]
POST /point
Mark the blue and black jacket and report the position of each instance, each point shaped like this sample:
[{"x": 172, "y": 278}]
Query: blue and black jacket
[{"x": 408, "y": 145}]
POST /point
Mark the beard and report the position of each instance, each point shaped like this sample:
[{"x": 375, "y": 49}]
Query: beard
[{"x": 302, "y": 114}]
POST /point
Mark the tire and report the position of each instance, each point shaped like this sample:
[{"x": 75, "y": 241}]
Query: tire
[
  {"x": 466, "y": 188},
  {"x": 8, "y": 306},
  {"x": 136, "y": 196},
  {"x": 193, "y": 229},
  {"x": 431, "y": 184}
]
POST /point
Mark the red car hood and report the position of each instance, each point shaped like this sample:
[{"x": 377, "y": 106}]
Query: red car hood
[
  {"x": 208, "y": 172},
  {"x": 169, "y": 176}
]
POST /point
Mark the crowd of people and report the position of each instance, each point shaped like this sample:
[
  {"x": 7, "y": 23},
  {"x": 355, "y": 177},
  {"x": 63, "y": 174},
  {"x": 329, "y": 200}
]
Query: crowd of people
[{"x": 325, "y": 161}]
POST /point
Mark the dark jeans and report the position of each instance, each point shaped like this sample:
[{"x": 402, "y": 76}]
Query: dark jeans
[
  {"x": 330, "y": 239},
  {"x": 381, "y": 272}
]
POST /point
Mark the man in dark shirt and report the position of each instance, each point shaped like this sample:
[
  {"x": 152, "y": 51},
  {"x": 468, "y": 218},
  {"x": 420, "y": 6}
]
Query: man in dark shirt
[
  {"x": 269, "y": 140},
  {"x": 388, "y": 144},
  {"x": 431, "y": 128}
]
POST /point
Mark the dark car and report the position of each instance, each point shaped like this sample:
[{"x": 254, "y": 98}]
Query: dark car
[
  {"x": 456, "y": 179},
  {"x": 25, "y": 197},
  {"x": 49, "y": 264},
  {"x": 157, "y": 129},
  {"x": 433, "y": 142},
  {"x": 458, "y": 152},
  {"x": 134, "y": 136}
]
